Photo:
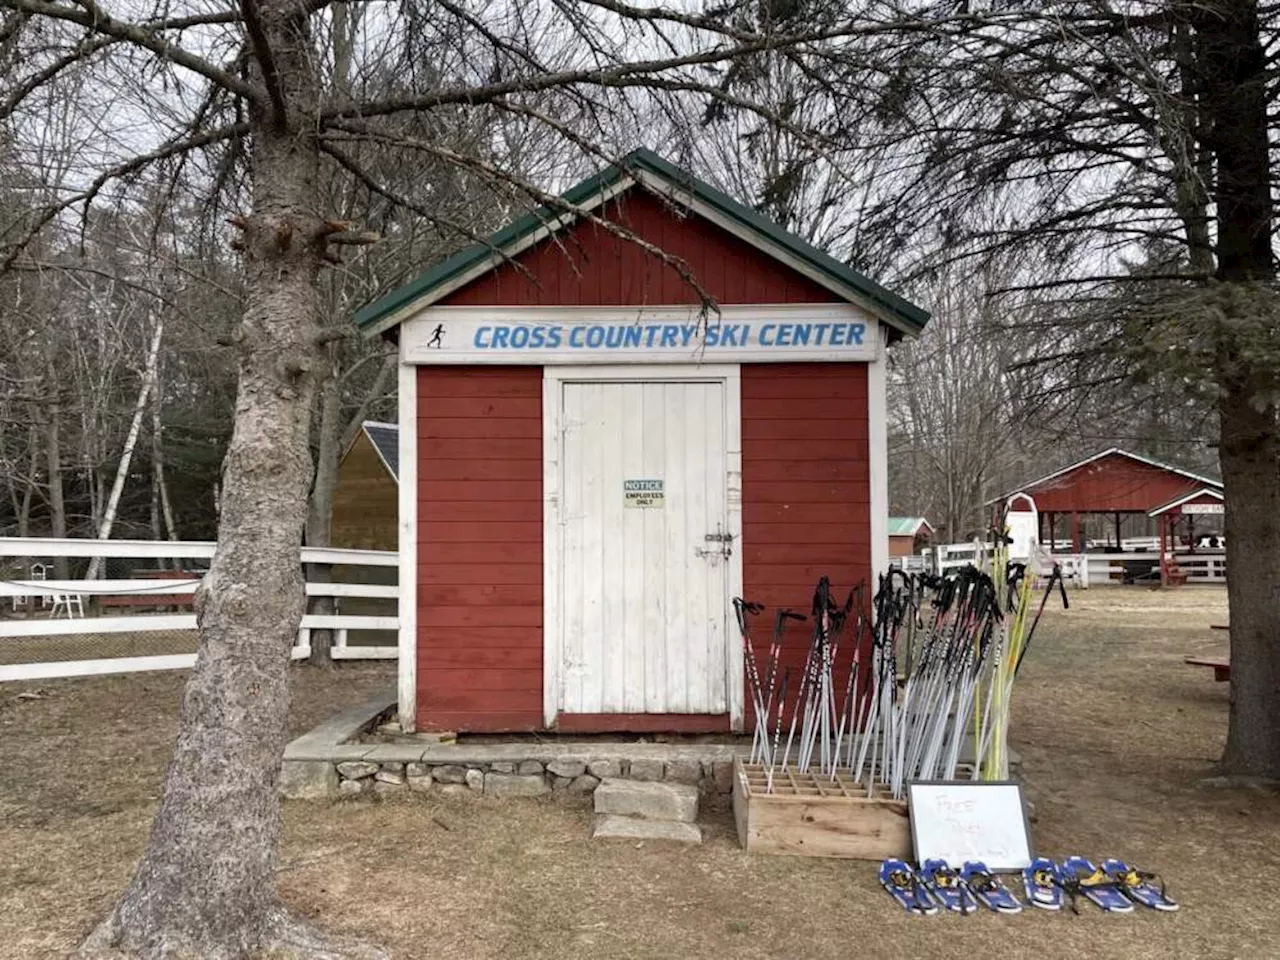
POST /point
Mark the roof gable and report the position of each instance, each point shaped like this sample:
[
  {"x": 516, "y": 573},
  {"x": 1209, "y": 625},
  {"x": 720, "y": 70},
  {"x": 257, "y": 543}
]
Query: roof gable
[
  {"x": 908, "y": 526},
  {"x": 587, "y": 265},
  {"x": 1203, "y": 495},
  {"x": 683, "y": 191},
  {"x": 385, "y": 440},
  {"x": 1117, "y": 452},
  {"x": 1114, "y": 480},
  {"x": 1112, "y": 451}
]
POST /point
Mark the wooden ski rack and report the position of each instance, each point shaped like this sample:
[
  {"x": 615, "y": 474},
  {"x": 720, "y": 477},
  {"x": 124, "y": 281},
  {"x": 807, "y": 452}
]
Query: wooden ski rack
[{"x": 811, "y": 815}]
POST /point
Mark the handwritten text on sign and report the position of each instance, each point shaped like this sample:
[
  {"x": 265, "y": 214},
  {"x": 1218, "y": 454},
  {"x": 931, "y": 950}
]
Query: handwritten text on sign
[
  {"x": 960, "y": 820},
  {"x": 643, "y": 494}
]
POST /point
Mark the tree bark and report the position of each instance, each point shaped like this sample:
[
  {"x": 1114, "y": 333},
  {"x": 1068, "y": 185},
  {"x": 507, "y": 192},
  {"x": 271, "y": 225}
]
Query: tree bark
[
  {"x": 206, "y": 884},
  {"x": 1233, "y": 77}
]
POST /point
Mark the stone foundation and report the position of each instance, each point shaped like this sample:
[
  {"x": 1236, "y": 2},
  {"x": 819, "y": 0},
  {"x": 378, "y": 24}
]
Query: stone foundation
[
  {"x": 357, "y": 755},
  {"x": 339, "y": 760},
  {"x": 353, "y": 779}
]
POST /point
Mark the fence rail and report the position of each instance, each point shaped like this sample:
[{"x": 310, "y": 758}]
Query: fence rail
[
  {"x": 44, "y": 620},
  {"x": 1079, "y": 569}
]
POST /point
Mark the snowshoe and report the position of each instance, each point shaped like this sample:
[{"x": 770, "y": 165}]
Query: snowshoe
[
  {"x": 1139, "y": 886},
  {"x": 904, "y": 885},
  {"x": 1081, "y": 877},
  {"x": 947, "y": 888},
  {"x": 1042, "y": 883},
  {"x": 988, "y": 889}
]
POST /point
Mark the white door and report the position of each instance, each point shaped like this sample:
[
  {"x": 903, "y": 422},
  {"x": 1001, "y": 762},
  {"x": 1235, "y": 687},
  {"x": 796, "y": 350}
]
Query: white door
[{"x": 644, "y": 575}]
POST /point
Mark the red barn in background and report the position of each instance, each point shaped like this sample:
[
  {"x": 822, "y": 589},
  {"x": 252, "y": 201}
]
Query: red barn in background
[
  {"x": 592, "y": 464},
  {"x": 1114, "y": 483}
]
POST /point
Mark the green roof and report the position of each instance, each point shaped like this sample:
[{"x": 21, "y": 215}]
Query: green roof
[
  {"x": 853, "y": 286},
  {"x": 906, "y": 526}
]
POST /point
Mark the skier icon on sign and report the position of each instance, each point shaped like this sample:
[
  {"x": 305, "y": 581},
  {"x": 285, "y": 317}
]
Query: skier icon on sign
[{"x": 436, "y": 342}]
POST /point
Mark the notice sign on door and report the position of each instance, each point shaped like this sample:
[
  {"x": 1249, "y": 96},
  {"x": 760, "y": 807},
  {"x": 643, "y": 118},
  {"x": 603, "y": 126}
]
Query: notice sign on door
[{"x": 643, "y": 494}]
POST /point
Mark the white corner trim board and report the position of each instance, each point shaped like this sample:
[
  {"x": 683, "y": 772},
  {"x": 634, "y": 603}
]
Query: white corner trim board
[
  {"x": 878, "y": 456},
  {"x": 407, "y": 388}
]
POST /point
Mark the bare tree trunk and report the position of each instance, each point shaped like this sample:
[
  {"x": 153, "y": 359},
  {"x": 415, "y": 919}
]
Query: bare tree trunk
[
  {"x": 320, "y": 503},
  {"x": 155, "y": 504},
  {"x": 130, "y": 441},
  {"x": 162, "y": 523},
  {"x": 23, "y": 507},
  {"x": 53, "y": 467},
  {"x": 1234, "y": 74},
  {"x": 206, "y": 885}
]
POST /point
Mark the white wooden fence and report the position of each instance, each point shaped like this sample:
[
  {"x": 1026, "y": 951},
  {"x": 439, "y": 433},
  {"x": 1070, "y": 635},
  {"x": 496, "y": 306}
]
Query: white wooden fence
[
  {"x": 57, "y": 608},
  {"x": 1078, "y": 569}
]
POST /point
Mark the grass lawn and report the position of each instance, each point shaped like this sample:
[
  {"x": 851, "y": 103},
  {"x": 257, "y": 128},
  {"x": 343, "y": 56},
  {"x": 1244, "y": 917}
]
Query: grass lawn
[{"x": 1116, "y": 734}]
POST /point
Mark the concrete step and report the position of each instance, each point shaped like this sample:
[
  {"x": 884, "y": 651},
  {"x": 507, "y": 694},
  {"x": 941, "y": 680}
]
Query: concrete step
[
  {"x": 611, "y": 826},
  {"x": 651, "y": 800}
]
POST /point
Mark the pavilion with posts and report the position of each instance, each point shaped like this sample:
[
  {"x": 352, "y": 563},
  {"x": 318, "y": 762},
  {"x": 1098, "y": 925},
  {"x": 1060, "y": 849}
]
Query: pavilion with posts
[{"x": 1113, "y": 490}]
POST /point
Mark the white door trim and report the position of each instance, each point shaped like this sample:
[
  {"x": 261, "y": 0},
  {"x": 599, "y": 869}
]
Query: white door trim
[{"x": 553, "y": 380}]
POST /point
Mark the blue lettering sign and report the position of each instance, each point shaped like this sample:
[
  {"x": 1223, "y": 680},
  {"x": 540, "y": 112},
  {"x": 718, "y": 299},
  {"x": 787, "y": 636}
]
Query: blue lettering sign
[{"x": 654, "y": 336}]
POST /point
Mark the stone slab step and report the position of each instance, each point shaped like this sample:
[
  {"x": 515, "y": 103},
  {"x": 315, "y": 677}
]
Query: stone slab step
[
  {"x": 611, "y": 826},
  {"x": 650, "y": 800}
]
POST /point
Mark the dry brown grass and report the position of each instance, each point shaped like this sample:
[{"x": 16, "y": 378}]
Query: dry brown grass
[{"x": 1114, "y": 729}]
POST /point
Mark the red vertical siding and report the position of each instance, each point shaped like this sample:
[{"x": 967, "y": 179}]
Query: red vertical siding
[
  {"x": 806, "y": 495},
  {"x": 1109, "y": 484},
  {"x": 480, "y": 548},
  {"x": 590, "y": 266}
]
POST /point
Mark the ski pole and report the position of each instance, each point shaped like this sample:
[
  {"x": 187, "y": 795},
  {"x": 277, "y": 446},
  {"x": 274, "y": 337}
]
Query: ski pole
[{"x": 777, "y": 733}]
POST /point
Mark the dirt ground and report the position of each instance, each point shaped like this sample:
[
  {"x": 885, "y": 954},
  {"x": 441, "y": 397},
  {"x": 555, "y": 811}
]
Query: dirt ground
[{"x": 1115, "y": 731}]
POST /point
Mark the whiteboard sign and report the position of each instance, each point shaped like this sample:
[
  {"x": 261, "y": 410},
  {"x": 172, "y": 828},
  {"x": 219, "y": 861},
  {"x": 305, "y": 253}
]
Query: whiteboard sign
[
  {"x": 644, "y": 494},
  {"x": 959, "y": 821},
  {"x": 1197, "y": 508}
]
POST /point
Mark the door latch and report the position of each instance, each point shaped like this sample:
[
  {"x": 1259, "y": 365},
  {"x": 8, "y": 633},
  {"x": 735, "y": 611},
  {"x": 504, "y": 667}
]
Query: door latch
[{"x": 724, "y": 541}]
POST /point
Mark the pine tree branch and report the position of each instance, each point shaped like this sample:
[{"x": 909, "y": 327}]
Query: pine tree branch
[
  {"x": 266, "y": 62},
  {"x": 92, "y": 17}
]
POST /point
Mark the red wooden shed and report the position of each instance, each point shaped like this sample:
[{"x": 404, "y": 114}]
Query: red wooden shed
[
  {"x": 1113, "y": 483},
  {"x": 591, "y": 466}
]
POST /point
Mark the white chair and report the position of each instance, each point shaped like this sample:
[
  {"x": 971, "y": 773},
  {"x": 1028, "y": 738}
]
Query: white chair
[
  {"x": 72, "y": 603},
  {"x": 41, "y": 572}
]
